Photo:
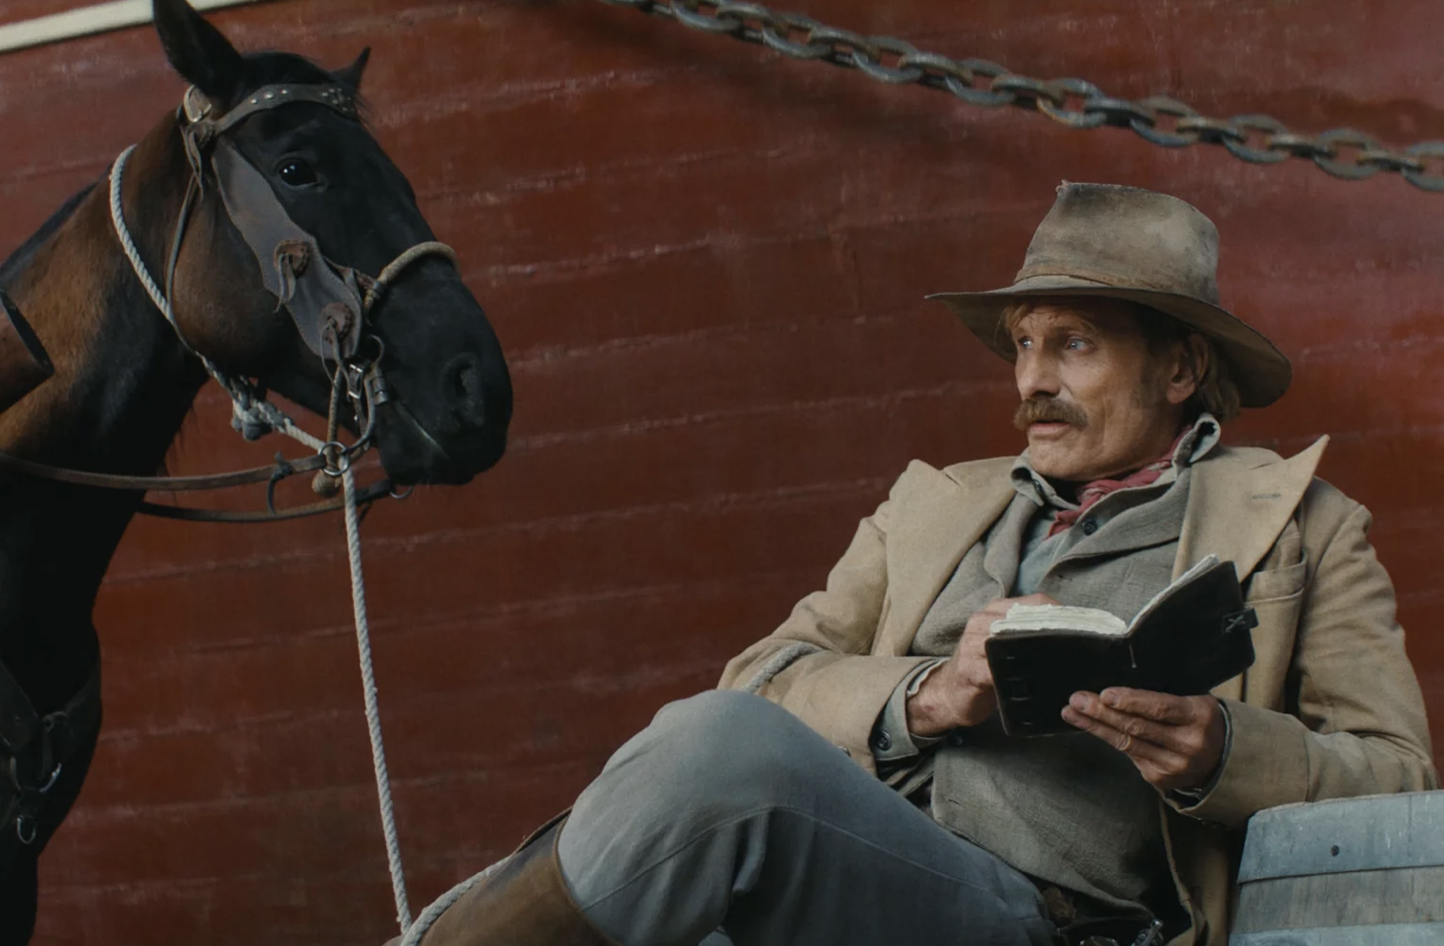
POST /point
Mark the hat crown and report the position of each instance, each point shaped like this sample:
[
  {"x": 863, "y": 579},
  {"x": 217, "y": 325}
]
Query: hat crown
[{"x": 1126, "y": 237}]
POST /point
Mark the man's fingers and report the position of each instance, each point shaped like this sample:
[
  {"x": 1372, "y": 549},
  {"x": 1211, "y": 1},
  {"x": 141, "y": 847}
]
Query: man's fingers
[
  {"x": 1175, "y": 738},
  {"x": 1161, "y": 767},
  {"x": 1163, "y": 707},
  {"x": 1135, "y": 747},
  {"x": 1169, "y": 755}
]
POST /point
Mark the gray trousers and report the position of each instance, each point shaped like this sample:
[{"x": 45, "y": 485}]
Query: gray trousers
[{"x": 728, "y": 813}]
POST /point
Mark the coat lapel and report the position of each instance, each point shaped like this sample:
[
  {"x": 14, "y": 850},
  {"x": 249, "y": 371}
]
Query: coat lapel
[
  {"x": 940, "y": 517},
  {"x": 1239, "y": 502}
]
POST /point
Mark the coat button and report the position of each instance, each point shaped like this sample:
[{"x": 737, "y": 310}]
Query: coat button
[
  {"x": 881, "y": 741},
  {"x": 1090, "y": 526}
]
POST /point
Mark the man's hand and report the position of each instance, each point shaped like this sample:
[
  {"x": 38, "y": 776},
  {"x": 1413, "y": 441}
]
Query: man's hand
[
  {"x": 1175, "y": 741},
  {"x": 960, "y": 692}
]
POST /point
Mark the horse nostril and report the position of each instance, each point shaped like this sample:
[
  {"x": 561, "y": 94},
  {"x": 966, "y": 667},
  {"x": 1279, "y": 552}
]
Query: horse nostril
[{"x": 462, "y": 389}]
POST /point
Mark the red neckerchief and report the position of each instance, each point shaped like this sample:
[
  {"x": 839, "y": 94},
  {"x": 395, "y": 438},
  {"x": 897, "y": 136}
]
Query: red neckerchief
[{"x": 1089, "y": 493}]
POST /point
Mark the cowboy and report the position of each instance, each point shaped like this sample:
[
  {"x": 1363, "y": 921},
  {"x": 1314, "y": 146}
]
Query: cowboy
[{"x": 856, "y": 787}]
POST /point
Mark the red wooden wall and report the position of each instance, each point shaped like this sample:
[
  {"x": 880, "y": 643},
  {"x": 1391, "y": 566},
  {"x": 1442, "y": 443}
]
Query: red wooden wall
[{"x": 707, "y": 265}]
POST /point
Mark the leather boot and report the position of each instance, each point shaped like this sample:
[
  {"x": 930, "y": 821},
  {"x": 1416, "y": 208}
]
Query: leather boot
[{"x": 525, "y": 903}]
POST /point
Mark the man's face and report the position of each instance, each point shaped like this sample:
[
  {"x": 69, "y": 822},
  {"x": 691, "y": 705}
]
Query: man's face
[{"x": 1096, "y": 402}]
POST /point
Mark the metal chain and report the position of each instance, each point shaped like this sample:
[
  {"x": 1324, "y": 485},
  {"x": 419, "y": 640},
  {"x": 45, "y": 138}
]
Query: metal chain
[{"x": 1258, "y": 139}]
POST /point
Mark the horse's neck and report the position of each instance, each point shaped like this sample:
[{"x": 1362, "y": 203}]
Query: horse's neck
[{"x": 122, "y": 387}]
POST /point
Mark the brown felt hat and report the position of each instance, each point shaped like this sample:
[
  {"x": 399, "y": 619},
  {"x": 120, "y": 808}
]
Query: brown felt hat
[{"x": 1128, "y": 243}]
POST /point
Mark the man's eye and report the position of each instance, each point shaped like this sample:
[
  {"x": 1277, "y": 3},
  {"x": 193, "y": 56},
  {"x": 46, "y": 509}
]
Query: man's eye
[
  {"x": 1022, "y": 343},
  {"x": 297, "y": 173},
  {"x": 1077, "y": 344}
]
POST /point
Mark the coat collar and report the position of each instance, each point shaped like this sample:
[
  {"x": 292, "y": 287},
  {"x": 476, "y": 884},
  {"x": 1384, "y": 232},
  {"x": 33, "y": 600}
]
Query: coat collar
[{"x": 1239, "y": 501}]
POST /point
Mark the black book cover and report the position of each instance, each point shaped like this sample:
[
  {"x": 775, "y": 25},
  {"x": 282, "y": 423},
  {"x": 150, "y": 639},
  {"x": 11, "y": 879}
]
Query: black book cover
[{"x": 1190, "y": 638}]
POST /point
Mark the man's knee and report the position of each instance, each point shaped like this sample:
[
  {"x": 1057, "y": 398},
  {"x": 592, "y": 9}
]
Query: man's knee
[
  {"x": 730, "y": 747},
  {"x": 723, "y": 719}
]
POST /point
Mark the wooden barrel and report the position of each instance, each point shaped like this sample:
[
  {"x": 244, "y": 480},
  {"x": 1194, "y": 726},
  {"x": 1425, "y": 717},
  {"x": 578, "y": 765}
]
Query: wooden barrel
[{"x": 1352, "y": 872}]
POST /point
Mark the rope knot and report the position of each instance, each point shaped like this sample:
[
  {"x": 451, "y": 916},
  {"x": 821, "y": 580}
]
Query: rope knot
[{"x": 249, "y": 422}]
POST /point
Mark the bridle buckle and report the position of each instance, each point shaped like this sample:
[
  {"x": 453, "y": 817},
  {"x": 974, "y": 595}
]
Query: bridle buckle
[{"x": 196, "y": 105}]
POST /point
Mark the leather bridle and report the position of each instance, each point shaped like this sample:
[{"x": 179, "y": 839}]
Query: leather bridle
[{"x": 329, "y": 303}]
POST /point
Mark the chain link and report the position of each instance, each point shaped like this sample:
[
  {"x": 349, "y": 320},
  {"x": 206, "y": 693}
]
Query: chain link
[{"x": 1258, "y": 139}]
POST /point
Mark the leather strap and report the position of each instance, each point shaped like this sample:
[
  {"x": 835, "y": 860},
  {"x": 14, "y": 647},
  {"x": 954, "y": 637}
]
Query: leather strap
[
  {"x": 18, "y": 720},
  {"x": 55, "y": 737},
  {"x": 325, "y": 306},
  {"x": 366, "y": 495},
  {"x": 144, "y": 484},
  {"x": 197, "y": 108}
]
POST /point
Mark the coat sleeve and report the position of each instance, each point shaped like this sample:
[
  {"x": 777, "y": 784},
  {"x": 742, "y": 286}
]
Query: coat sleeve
[
  {"x": 1356, "y": 723},
  {"x": 819, "y": 664}
]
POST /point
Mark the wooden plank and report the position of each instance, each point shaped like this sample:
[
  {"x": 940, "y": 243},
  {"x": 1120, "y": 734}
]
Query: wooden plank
[{"x": 89, "y": 20}]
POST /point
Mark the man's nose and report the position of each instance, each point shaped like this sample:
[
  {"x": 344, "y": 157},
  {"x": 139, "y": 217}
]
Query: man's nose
[{"x": 1035, "y": 376}]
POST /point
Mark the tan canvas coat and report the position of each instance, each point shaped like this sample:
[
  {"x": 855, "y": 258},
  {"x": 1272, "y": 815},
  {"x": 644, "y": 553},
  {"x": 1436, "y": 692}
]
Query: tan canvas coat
[{"x": 1330, "y": 708}]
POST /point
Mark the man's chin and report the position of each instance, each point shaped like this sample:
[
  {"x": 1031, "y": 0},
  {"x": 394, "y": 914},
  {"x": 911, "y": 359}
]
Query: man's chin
[{"x": 1049, "y": 461}]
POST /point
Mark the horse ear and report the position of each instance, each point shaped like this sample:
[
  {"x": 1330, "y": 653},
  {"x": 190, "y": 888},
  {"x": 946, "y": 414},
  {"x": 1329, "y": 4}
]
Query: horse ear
[
  {"x": 351, "y": 75},
  {"x": 198, "y": 51}
]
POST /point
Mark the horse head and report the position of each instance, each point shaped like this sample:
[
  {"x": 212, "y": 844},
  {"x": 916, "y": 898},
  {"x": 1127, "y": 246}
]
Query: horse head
[{"x": 277, "y": 150}]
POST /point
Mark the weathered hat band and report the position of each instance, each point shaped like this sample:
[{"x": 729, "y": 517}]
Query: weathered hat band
[{"x": 1107, "y": 280}]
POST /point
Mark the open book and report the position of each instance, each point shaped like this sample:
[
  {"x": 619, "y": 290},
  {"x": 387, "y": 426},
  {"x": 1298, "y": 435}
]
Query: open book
[{"x": 1191, "y": 637}]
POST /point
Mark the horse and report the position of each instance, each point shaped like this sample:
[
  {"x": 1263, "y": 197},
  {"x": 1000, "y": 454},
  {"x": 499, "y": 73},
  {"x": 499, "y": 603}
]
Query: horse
[{"x": 285, "y": 152}]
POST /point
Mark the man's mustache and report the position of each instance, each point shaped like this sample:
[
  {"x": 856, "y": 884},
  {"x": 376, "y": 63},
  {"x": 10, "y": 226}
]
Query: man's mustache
[{"x": 1041, "y": 410}]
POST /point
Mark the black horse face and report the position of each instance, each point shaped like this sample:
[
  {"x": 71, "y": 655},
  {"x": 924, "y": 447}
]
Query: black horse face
[{"x": 451, "y": 393}]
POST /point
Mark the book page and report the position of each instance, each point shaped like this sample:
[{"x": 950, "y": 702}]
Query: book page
[
  {"x": 1202, "y": 566},
  {"x": 1059, "y": 619}
]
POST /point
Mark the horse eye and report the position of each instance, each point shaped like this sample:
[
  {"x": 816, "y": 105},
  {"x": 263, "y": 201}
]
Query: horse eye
[{"x": 296, "y": 172}]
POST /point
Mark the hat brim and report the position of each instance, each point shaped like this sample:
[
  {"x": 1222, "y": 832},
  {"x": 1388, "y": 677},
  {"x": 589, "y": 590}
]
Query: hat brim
[{"x": 1260, "y": 370}]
